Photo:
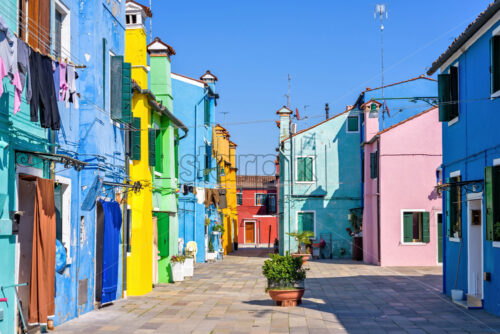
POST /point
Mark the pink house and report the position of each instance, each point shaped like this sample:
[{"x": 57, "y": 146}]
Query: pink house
[{"x": 402, "y": 220}]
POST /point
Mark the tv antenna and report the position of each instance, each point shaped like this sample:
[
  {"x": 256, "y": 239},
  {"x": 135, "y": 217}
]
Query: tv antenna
[
  {"x": 288, "y": 95},
  {"x": 224, "y": 113},
  {"x": 150, "y": 25},
  {"x": 381, "y": 11}
]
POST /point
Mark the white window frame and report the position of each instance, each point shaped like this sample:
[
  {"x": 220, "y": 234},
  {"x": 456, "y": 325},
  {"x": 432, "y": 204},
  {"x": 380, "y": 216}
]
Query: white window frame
[
  {"x": 255, "y": 199},
  {"x": 420, "y": 243},
  {"x": 496, "y": 94},
  {"x": 452, "y": 239},
  {"x": 456, "y": 119},
  {"x": 347, "y": 124},
  {"x": 108, "y": 88},
  {"x": 65, "y": 28},
  {"x": 66, "y": 214},
  {"x": 313, "y": 168},
  {"x": 297, "y": 220}
]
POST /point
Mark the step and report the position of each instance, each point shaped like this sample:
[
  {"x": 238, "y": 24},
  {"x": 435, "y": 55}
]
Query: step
[{"x": 474, "y": 301}]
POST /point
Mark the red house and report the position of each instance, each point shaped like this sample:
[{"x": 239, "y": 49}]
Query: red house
[{"x": 257, "y": 207}]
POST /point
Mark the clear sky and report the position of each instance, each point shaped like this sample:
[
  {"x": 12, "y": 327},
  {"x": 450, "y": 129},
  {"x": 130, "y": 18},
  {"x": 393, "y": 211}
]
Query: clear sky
[{"x": 330, "y": 48}]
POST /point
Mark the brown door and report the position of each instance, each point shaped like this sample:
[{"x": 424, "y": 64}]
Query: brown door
[{"x": 249, "y": 232}]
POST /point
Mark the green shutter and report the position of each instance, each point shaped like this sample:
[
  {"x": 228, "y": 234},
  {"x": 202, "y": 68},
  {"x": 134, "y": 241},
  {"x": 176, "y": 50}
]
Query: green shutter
[
  {"x": 374, "y": 165},
  {"x": 352, "y": 123},
  {"x": 444, "y": 91},
  {"x": 300, "y": 222},
  {"x": 308, "y": 162},
  {"x": 300, "y": 169},
  {"x": 152, "y": 147},
  {"x": 159, "y": 150},
  {"x": 408, "y": 226},
  {"x": 425, "y": 227},
  {"x": 116, "y": 88},
  {"x": 163, "y": 223},
  {"x": 495, "y": 63},
  {"x": 126, "y": 116},
  {"x": 135, "y": 143},
  {"x": 308, "y": 223}
]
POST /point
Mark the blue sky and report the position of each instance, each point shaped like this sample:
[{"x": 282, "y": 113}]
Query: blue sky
[{"x": 330, "y": 48}]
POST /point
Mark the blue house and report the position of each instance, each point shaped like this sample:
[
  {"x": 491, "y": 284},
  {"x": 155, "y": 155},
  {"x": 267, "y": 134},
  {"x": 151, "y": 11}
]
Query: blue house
[
  {"x": 469, "y": 86},
  {"x": 319, "y": 181},
  {"x": 194, "y": 105}
]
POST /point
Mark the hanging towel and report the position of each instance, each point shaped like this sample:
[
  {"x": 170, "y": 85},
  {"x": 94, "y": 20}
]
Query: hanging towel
[
  {"x": 200, "y": 195},
  {"x": 110, "y": 250},
  {"x": 6, "y": 52},
  {"x": 43, "y": 262},
  {"x": 222, "y": 199},
  {"x": 63, "y": 86},
  {"x": 70, "y": 95},
  {"x": 23, "y": 66}
]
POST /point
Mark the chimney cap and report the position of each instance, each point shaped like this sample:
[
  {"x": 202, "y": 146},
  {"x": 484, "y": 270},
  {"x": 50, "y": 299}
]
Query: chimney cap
[
  {"x": 158, "y": 46},
  {"x": 284, "y": 110},
  {"x": 208, "y": 77},
  {"x": 146, "y": 9}
]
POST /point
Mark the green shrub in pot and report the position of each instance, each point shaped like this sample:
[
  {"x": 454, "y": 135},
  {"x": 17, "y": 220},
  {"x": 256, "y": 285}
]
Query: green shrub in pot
[{"x": 283, "y": 272}]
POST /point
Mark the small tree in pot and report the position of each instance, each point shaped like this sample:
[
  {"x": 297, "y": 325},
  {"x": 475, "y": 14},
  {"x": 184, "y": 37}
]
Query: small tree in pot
[
  {"x": 177, "y": 265},
  {"x": 303, "y": 238},
  {"x": 285, "y": 277}
]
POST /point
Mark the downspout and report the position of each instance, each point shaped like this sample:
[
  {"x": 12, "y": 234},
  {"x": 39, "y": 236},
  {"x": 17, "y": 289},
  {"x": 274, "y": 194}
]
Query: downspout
[
  {"x": 378, "y": 200},
  {"x": 444, "y": 228},
  {"x": 125, "y": 219}
]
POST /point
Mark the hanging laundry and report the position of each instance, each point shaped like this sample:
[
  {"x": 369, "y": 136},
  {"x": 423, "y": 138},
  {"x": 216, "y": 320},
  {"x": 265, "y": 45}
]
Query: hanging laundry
[
  {"x": 222, "y": 199},
  {"x": 70, "y": 95},
  {"x": 200, "y": 195},
  {"x": 43, "y": 92},
  {"x": 56, "y": 73},
  {"x": 63, "y": 85},
  {"x": 110, "y": 250},
  {"x": 6, "y": 53},
  {"x": 23, "y": 70}
]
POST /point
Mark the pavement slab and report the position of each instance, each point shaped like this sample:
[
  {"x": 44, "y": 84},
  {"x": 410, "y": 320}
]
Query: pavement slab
[{"x": 341, "y": 297}]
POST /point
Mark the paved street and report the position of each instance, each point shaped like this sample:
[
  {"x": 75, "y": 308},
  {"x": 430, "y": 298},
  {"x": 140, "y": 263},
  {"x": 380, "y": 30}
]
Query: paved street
[{"x": 341, "y": 297}]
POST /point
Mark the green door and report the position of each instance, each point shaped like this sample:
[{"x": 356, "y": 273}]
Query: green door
[{"x": 440, "y": 237}]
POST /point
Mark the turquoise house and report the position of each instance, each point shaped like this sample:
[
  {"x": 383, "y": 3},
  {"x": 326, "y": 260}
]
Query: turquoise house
[{"x": 320, "y": 181}]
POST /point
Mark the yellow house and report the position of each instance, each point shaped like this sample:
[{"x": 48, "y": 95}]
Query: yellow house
[
  {"x": 224, "y": 152},
  {"x": 140, "y": 256}
]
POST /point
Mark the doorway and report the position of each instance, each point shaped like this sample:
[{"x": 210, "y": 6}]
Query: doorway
[
  {"x": 99, "y": 240},
  {"x": 475, "y": 245},
  {"x": 250, "y": 232},
  {"x": 439, "y": 221}
]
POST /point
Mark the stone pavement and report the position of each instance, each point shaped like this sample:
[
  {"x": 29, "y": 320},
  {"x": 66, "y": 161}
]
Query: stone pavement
[{"x": 341, "y": 297}]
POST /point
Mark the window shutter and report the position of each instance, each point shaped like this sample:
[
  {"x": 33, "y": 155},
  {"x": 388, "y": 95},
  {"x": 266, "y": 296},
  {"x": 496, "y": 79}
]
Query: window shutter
[
  {"x": 408, "y": 226},
  {"x": 488, "y": 188},
  {"x": 454, "y": 91},
  {"x": 300, "y": 169},
  {"x": 116, "y": 88},
  {"x": 426, "y": 237},
  {"x": 163, "y": 223},
  {"x": 308, "y": 169},
  {"x": 300, "y": 222},
  {"x": 495, "y": 63},
  {"x": 152, "y": 147},
  {"x": 135, "y": 144},
  {"x": 444, "y": 91},
  {"x": 126, "y": 93},
  {"x": 159, "y": 151},
  {"x": 374, "y": 165}
]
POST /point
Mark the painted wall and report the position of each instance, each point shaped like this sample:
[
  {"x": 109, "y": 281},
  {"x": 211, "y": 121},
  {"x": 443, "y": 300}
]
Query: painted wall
[
  {"x": 409, "y": 155},
  {"x": 335, "y": 190},
  {"x": 470, "y": 145}
]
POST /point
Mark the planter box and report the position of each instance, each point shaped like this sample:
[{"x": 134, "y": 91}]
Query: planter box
[
  {"x": 212, "y": 256},
  {"x": 189, "y": 267},
  {"x": 287, "y": 298},
  {"x": 178, "y": 271},
  {"x": 305, "y": 257}
]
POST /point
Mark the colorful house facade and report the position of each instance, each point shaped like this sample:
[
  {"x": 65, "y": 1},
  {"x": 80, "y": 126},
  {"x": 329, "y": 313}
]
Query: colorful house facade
[
  {"x": 319, "y": 181},
  {"x": 402, "y": 216},
  {"x": 194, "y": 104},
  {"x": 469, "y": 84},
  {"x": 257, "y": 208}
]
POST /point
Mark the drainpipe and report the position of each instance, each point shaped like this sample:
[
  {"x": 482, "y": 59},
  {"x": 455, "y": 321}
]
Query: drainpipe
[
  {"x": 444, "y": 227},
  {"x": 378, "y": 199}
]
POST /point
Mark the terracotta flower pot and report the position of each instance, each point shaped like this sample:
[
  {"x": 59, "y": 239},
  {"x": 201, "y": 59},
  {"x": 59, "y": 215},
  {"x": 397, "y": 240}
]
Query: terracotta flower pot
[
  {"x": 287, "y": 298},
  {"x": 305, "y": 257}
]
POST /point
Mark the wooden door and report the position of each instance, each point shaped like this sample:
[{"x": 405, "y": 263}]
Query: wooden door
[{"x": 250, "y": 232}]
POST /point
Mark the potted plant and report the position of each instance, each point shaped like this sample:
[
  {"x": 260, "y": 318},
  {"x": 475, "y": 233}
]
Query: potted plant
[
  {"x": 285, "y": 279},
  {"x": 189, "y": 266},
  {"x": 218, "y": 229},
  {"x": 177, "y": 264},
  {"x": 212, "y": 254},
  {"x": 303, "y": 238}
]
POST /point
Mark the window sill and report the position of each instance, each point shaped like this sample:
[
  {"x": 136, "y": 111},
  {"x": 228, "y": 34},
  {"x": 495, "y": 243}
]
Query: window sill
[
  {"x": 453, "y": 121},
  {"x": 305, "y": 182},
  {"x": 495, "y": 94},
  {"x": 454, "y": 239},
  {"x": 496, "y": 244},
  {"x": 414, "y": 243}
]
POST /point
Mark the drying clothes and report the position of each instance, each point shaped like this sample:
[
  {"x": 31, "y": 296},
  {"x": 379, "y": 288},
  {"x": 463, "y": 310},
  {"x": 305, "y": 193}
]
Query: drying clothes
[
  {"x": 3, "y": 73},
  {"x": 63, "y": 86},
  {"x": 70, "y": 95},
  {"x": 211, "y": 197},
  {"x": 56, "y": 74},
  {"x": 43, "y": 92},
  {"x": 43, "y": 262},
  {"x": 110, "y": 250},
  {"x": 200, "y": 195},
  {"x": 222, "y": 199},
  {"x": 7, "y": 49},
  {"x": 23, "y": 66}
]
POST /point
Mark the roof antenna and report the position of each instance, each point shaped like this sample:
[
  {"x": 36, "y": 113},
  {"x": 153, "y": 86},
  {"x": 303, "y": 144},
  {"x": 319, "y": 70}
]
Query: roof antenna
[
  {"x": 150, "y": 24},
  {"x": 381, "y": 11},
  {"x": 288, "y": 95}
]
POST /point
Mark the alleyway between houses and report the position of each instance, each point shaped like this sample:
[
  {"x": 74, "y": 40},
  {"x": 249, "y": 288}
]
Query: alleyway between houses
[{"x": 341, "y": 297}]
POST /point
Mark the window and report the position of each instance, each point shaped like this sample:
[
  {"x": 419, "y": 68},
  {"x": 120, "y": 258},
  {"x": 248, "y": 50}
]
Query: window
[
  {"x": 454, "y": 207},
  {"x": 374, "y": 165},
  {"x": 416, "y": 227},
  {"x": 207, "y": 111},
  {"x": 152, "y": 133},
  {"x": 448, "y": 95},
  {"x": 131, "y": 19},
  {"x": 34, "y": 23},
  {"x": 120, "y": 90},
  {"x": 492, "y": 202},
  {"x": 239, "y": 199},
  {"x": 305, "y": 169},
  {"x": 271, "y": 203},
  {"x": 62, "y": 31},
  {"x": 135, "y": 139},
  {"x": 352, "y": 124},
  {"x": 57, "y": 30},
  {"x": 306, "y": 221},
  {"x": 62, "y": 201},
  {"x": 260, "y": 199},
  {"x": 495, "y": 66}
]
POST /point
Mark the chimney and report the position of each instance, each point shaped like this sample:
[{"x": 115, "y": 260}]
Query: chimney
[
  {"x": 160, "y": 78},
  {"x": 327, "y": 111},
  {"x": 285, "y": 120}
]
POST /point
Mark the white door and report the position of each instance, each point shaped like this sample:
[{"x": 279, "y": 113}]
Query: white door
[{"x": 475, "y": 246}]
